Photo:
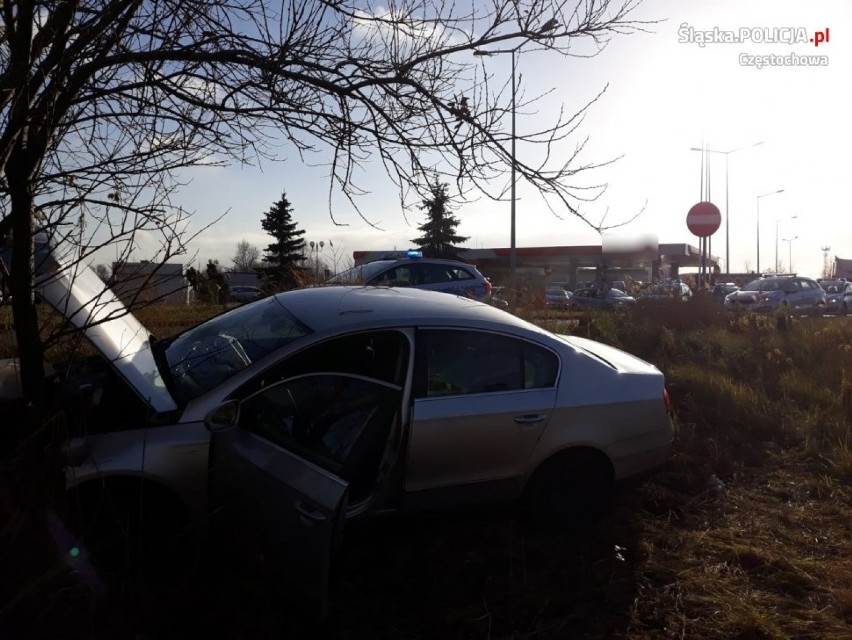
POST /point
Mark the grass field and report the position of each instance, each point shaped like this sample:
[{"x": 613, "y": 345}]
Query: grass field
[{"x": 746, "y": 533}]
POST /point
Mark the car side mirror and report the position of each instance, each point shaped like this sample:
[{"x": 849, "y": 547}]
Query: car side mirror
[{"x": 223, "y": 417}]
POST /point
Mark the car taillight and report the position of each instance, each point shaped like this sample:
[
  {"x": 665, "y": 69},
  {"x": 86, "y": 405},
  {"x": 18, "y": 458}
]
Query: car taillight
[
  {"x": 667, "y": 402},
  {"x": 488, "y": 287}
]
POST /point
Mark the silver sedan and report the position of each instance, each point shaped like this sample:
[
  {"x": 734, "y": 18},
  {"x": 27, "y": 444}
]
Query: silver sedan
[{"x": 330, "y": 403}]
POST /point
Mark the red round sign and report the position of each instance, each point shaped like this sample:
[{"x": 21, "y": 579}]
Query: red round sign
[{"x": 704, "y": 219}]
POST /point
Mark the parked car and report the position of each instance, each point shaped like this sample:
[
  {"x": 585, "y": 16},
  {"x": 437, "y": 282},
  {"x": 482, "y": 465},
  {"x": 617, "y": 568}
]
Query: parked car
[
  {"x": 317, "y": 405},
  {"x": 663, "y": 292},
  {"x": 244, "y": 293},
  {"x": 722, "y": 289},
  {"x": 838, "y": 296},
  {"x": 771, "y": 293},
  {"x": 447, "y": 276},
  {"x": 557, "y": 298},
  {"x": 607, "y": 300}
]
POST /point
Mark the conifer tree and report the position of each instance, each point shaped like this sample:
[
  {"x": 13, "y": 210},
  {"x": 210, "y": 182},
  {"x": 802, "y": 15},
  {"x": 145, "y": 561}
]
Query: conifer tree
[
  {"x": 439, "y": 239},
  {"x": 284, "y": 256}
]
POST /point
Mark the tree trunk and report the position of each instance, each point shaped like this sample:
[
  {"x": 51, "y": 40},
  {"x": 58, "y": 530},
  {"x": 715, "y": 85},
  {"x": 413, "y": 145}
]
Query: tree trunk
[{"x": 22, "y": 281}]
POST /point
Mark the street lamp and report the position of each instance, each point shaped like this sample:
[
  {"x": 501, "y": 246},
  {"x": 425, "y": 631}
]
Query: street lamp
[
  {"x": 316, "y": 247},
  {"x": 762, "y": 195},
  {"x": 548, "y": 26},
  {"x": 777, "y": 222},
  {"x": 727, "y": 214},
  {"x": 789, "y": 242}
]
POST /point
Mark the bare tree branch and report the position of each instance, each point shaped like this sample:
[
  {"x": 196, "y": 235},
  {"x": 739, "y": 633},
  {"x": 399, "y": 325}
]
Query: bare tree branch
[{"x": 103, "y": 102}]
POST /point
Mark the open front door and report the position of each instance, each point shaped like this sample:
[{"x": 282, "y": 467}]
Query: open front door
[
  {"x": 291, "y": 509},
  {"x": 300, "y": 449}
]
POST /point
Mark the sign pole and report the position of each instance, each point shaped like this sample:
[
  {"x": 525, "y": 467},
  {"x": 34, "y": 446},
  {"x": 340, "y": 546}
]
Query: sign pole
[{"x": 703, "y": 220}]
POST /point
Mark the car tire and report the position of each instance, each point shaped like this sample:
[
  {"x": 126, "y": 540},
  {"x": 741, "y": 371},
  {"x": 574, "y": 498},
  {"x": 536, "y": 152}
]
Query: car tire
[
  {"x": 128, "y": 527},
  {"x": 568, "y": 491}
]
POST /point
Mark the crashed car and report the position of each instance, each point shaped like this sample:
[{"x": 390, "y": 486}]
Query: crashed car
[{"x": 313, "y": 406}]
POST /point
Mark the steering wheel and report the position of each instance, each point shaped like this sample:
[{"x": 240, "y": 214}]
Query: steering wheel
[{"x": 212, "y": 359}]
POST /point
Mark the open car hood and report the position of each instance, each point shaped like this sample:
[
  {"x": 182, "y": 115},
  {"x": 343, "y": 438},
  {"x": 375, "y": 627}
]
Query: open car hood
[{"x": 76, "y": 292}]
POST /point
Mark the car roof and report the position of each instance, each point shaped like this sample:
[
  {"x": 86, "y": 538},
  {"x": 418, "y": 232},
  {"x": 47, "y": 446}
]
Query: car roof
[
  {"x": 336, "y": 307},
  {"x": 457, "y": 263}
]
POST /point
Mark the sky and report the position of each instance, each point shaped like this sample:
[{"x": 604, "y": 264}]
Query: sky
[{"x": 667, "y": 94}]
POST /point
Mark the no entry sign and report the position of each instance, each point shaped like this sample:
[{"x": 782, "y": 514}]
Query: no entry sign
[{"x": 704, "y": 219}]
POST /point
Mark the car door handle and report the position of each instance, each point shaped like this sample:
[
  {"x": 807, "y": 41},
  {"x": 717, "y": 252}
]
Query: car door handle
[
  {"x": 309, "y": 514},
  {"x": 530, "y": 419}
]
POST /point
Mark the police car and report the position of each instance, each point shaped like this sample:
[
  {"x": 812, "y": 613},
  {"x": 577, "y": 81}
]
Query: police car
[{"x": 413, "y": 270}]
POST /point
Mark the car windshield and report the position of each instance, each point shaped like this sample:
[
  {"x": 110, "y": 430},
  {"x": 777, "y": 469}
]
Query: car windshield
[
  {"x": 833, "y": 287},
  {"x": 618, "y": 293},
  {"x": 764, "y": 285},
  {"x": 360, "y": 274},
  {"x": 207, "y": 355}
]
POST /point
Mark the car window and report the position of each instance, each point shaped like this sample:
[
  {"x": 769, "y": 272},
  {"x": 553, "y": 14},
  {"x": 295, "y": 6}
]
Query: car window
[
  {"x": 337, "y": 421},
  {"x": 460, "y": 273},
  {"x": 399, "y": 276},
  {"x": 455, "y": 362},
  {"x": 380, "y": 355},
  {"x": 434, "y": 273},
  {"x": 772, "y": 285}
]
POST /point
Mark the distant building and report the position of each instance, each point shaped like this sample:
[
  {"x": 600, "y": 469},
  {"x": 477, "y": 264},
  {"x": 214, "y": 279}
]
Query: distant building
[
  {"x": 842, "y": 268},
  {"x": 149, "y": 282}
]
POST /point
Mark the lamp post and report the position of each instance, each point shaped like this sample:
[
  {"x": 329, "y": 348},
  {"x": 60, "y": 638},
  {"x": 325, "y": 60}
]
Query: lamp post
[
  {"x": 777, "y": 222},
  {"x": 762, "y": 195},
  {"x": 789, "y": 242},
  {"x": 727, "y": 214},
  {"x": 316, "y": 247},
  {"x": 548, "y": 26}
]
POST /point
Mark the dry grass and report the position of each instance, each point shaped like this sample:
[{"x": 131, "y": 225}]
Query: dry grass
[{"x": 746, "y": 533}]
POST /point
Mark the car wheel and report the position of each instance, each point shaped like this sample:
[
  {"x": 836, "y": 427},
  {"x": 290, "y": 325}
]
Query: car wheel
[
  {"x": 128, "y": 527},
  {"x": 569, "y": 490}
]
